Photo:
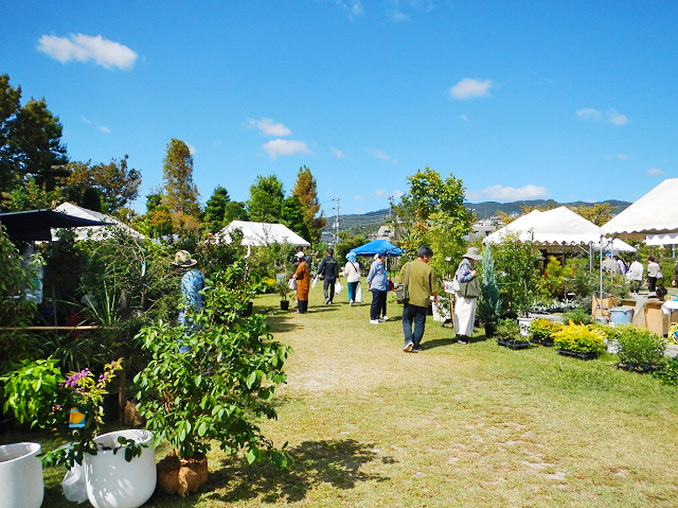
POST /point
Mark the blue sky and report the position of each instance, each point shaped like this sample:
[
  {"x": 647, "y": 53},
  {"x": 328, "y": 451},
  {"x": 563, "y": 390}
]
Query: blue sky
[{"x": 570, "y": 100}]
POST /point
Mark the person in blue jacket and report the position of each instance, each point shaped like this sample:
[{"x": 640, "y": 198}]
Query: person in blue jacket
[{"x": 377, "y": 282}]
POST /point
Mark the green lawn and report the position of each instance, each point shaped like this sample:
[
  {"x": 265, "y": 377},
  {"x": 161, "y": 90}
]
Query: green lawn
[{"x": 453, "y": 426}]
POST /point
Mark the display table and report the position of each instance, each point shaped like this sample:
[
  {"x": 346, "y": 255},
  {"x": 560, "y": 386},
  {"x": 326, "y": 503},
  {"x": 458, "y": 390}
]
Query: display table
[{"x": 656, "y": 319}]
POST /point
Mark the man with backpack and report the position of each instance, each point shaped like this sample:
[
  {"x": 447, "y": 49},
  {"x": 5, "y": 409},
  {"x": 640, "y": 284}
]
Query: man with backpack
[{"x": 329, "y": 269}]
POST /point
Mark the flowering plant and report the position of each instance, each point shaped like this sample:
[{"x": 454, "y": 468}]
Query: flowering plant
[{"x": 72, "y": 406}]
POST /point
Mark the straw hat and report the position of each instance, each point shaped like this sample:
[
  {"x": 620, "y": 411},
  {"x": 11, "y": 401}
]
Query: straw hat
[
  {"x": 182, "y": 259},
  {"x": 472, "y": 253}
]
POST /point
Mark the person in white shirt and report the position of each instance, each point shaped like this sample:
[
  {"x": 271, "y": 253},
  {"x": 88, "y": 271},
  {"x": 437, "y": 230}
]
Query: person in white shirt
[
  {"x": 352, "y": 272},
  {"x": 635, "y": 275},
  {"x": 652, "y": 274}
]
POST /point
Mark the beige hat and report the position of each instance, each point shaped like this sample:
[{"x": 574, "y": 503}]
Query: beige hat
[
  {"x": 300, "y": 254},
  {"x": 472, "y": 253},
  {"x": 183, "y": 259}
]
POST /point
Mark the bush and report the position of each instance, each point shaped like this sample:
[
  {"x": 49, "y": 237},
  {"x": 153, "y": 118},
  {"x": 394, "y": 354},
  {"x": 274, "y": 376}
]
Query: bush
[
  {"x": 579, "y": 338},
  {"x": 579, "y": 316},
  {"x": 542, "y": 330},
  {"x": 669, "y": 374},
  {"x": 639, "y": 346},
  {"x": 508, "y": 330}
]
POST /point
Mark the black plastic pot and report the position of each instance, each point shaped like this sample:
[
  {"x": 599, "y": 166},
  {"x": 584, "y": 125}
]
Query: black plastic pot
[
  {"x": 284, "y": 304},
  {"x": 580, "y": 356}
]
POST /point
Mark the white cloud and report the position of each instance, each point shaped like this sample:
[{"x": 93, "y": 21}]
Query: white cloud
[
  {"x": 589, "y": 114},
  {"x": 358, "y": 198},
  {"x": 469, "y": 88},
  {"x": 269, "y": 128},
  {"x": 397, "y": 194},
  {"x": 381, "y": 154},
  {"x": 352, "y": 8},
  {"x": 217, "y": 142},
  {"x": 85, "y": 120},
  {"x": 617, "y": 118},
  {"x": 277, "y": 147},
  {"x": 622, "y": 156},
  {"x": 105, "y": 129},
  {"x": 379, "y": 193},
  {"x": 464, "y": 118},
  {"x": 501, "y": 193},
  {"x": 473, "y": 195},
  {"x": 655, "y": 172},
  {"x": 337, "y": 153},
  {"x": 593, "y": 115},
  {"x": 84, "y": 48},
  {"x": 191, "y": 149}
]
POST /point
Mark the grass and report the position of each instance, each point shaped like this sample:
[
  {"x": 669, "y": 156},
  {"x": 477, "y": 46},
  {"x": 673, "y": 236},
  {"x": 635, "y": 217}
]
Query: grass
[{"x": 462, "y": 426}]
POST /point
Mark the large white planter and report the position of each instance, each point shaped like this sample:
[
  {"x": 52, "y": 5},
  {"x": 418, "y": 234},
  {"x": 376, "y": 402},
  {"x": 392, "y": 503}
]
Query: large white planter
[
  {"x": 111, "y": 481},
  {"x": 21, "y": 484}
]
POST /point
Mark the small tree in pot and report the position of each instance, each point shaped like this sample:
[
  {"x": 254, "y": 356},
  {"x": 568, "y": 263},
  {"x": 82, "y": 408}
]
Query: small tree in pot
[
  {"x": 215, "y": 391},
  {"x": 489, "y": 306}
]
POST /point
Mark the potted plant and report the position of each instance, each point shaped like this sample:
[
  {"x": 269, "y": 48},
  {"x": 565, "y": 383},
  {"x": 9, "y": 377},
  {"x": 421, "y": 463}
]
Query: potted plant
[
  {"x": 489, "y": 306},
  {"x": 541, "y": 331},
  {"x": 639, "y": 349},
  {"x": 283, "y": 288},
  {"x": 508, "y": 335},
  {"x": 579, "y": 341},
  {"x": 21, "y": 482},
  {"x": 213, "y": 392},
  {"x": 38, "y": 393}
]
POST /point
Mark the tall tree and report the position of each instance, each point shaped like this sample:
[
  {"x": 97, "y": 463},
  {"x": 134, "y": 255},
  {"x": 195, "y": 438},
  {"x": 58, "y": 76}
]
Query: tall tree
[
  {"x": 30, "y": 142},
  {"x": 292, "y": 216},
  {"x": 180, "y": 194},
  {"x": 433, "y": 213},
  {"x": 266, "y": 199},
  {"x": 599, "y": 213},
  {"x": 306, "y": 189},
  {"x": 215, "y": 209},
  {"x": 117, "y": 184}
]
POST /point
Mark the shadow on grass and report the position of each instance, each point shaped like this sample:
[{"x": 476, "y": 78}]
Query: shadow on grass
[{"x": 315, "y": 462}]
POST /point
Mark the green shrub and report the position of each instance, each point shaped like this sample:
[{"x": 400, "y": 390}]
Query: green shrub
[
  {"x": 508, "y": 329},
  {"x": 579, "y": 316},
  {"x": 640, "y": 346},
  {"x": 579, "y": 338},
  {"x": 669, "y": 374},
  {"x": 542, "y": 330}
]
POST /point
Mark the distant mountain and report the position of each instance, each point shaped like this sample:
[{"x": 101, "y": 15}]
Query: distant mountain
[{"x": 369, "y": 222}]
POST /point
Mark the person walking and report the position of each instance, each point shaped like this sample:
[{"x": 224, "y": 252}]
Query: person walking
[
  {"x": 465, "y": 306},
  {"x": 377, "y": 282},
  {"x": 621, "y": 265},
  {"x": 610, "y": 266},
  {"x": 421, "y": 285},
  {"x": 352, "y": 272},
  {"x": 635, "y": 275},
  {"x": 303, "y": 276},
  {"x": 329, "y": 270}
]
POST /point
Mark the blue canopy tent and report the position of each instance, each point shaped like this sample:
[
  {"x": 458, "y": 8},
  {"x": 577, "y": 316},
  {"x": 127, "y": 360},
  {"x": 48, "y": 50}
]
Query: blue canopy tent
[{"x": 377, "y": 246}]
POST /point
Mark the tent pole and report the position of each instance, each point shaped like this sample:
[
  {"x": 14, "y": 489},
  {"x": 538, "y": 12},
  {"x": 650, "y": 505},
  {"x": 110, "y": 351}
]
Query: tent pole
[{"x": 600, "y": 295}]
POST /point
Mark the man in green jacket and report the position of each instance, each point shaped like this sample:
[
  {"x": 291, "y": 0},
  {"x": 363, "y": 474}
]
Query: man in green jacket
[{"x": 421, "y": 286}]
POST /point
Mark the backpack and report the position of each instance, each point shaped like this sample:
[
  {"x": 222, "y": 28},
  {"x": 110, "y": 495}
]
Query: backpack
[{"x": 400, "y": 289}]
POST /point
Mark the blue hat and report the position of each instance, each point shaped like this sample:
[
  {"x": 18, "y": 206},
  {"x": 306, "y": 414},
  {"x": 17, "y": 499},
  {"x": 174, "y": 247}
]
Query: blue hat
[{"x": 351, "y": 257}]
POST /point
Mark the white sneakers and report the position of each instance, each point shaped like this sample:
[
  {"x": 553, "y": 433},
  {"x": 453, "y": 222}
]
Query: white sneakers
[{"x": 374, "y": 321}]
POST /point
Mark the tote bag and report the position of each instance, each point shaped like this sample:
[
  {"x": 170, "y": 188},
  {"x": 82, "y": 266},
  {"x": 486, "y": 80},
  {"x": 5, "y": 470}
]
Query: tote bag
[{"x": 359, "y": 294}]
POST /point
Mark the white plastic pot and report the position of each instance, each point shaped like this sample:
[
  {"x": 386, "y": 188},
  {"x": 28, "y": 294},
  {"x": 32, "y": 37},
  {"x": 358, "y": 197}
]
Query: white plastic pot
[
  {"x": 111, "y": 481},
  {"x": 21, "y": 484}
]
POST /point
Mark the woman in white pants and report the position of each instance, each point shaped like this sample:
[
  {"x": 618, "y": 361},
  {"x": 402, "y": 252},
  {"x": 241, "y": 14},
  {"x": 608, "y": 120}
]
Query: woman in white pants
[{"x": 465, "y": 307}]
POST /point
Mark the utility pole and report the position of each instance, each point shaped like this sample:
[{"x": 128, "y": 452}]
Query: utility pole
[{"x": 336, "y": 222}]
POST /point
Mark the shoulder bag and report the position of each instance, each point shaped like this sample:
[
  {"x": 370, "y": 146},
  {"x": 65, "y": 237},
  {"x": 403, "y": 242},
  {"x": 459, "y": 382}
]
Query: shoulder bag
[{"x": 401, "y": 290}]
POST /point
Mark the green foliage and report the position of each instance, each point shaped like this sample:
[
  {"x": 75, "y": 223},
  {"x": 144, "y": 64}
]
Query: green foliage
[
  {"x": 668, "y": 375},
  {"x": 508, "y": 329},
  {"x": 266, "y": 199},
  {"x": 554, "y": 282},
  {"x": 432, "y": 213},
  {"x": 224, "y": 383},
  {"x": 582, "y": 280},
  {"x": 579, "y": 338},
  {"x": 640, "y": 346},
  {"x": 306, "y": 190},
  {"x": 16, "y": 278},
  {"x": 517, "y": 275},
  {"x": 215, "y": 210},
  {"x": 180, "y": 194},
  {"x": 292, "y": 215},
  {"x": 542, "y": 330},
  {"x": 38, "y": 393},
  {"x": 578, "y": 315},
  {"x": 489, "y": 306}
]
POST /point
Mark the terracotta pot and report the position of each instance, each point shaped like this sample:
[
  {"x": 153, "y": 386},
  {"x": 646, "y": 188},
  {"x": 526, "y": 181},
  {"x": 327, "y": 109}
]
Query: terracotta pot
[{"x": 181, "y": 476}]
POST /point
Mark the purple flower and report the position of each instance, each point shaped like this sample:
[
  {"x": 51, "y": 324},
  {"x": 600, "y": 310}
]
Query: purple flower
[{"x": 74, "y": 380}]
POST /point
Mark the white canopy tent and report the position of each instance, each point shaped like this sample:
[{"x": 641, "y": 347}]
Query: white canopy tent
[
  {"x": 97, "y": 232},
  {"x": 558, "y": 227},
  {"x": 654, "y": 213},
  {"x": 260, "y": 234}
]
